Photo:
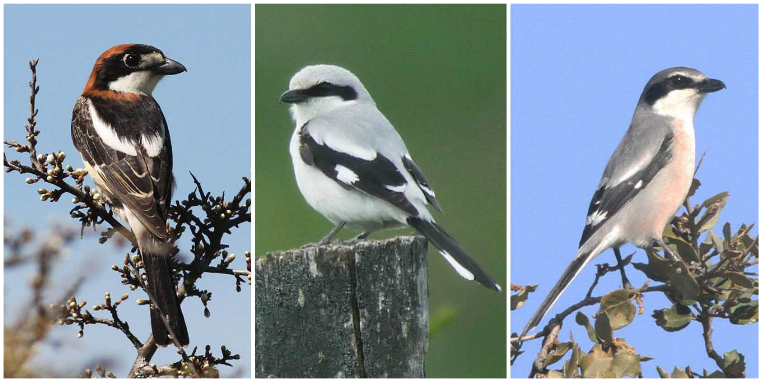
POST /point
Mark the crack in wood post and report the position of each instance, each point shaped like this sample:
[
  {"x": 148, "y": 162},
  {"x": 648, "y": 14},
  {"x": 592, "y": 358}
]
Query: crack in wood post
[{"x": 356, "y": 315}]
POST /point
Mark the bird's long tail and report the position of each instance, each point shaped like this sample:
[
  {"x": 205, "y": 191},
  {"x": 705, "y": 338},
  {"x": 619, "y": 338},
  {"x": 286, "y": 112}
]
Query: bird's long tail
[
  {"x": 453, "y": 252},
  {"x": 162, "y": 289},
  {"x": 575, "y": 267}
]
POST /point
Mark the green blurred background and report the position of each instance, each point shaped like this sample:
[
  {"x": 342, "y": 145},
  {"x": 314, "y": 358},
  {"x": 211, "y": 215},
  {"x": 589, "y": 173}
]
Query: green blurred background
[{"x": 438, "y": 73}]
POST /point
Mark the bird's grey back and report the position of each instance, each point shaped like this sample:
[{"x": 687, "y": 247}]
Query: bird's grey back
[{"x": 363, "y": 124}]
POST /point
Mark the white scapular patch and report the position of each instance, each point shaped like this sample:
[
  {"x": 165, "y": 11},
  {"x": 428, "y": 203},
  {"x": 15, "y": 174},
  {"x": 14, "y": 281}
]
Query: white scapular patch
[
  {"x": 466, "y": 274},
  {"x": 340, "y": 143},
  {"x": 107, "y": 134},
  {"x": 596, "y": 217},
  {"x": 345, "y": 175},
  {"x": 153, "y": 144},
  {"x": 638, "y": 185},
  {"x": 396, "y": 188},
  {"x": 142, "y": 82}
]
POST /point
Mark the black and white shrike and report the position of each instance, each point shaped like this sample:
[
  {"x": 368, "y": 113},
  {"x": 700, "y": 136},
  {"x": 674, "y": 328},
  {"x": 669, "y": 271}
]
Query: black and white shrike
[
  {"x": 353, "y": 167},
  {"x": 646, "y": 179},
  {"x": 122, "y": 135}
]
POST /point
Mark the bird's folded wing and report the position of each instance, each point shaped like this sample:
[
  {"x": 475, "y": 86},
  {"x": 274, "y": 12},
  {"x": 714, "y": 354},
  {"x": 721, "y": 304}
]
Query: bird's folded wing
[
  {"x": 362, "y": 169},
  {"x": 141, "y": 183},
  {"x": 611, "y": 196}
]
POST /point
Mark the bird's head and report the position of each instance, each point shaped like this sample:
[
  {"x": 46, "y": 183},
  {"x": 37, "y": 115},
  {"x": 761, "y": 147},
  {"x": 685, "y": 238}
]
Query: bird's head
[
  {"x": 677, "y": 92},
  {"x": 131, "y": 69},
  {"x": 320, "y": 89}
]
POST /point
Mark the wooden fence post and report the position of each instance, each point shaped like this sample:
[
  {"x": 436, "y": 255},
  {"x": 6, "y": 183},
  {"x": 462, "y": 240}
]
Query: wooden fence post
[{"x": 343, "y": 310}]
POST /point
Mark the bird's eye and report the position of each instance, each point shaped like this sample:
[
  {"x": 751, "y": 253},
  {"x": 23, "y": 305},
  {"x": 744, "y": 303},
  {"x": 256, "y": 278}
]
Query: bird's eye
[
  {"x": 680, "y": 81},
  {"x": 131, "y": 60}
]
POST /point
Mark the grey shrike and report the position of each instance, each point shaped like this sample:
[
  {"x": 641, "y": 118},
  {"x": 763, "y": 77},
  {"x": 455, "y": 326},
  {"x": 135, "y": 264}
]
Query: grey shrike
[
  {"x": 646, "y": 179},
  {"x": 353, "y": 167}
]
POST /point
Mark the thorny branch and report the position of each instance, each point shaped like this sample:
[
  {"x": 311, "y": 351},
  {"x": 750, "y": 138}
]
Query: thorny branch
[{"x": 89, "y": 209}]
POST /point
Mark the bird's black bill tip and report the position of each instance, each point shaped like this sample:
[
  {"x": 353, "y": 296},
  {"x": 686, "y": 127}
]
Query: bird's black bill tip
[
  {"x": 170, "y": 67},
  {"x": 293, "y": 97},
  {"x": 710, "y": 85}
]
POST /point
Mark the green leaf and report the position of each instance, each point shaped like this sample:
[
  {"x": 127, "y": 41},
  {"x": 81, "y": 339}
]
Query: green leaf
[
  {"x": 715, "y": 199},
  {"x": 657, "y": 268},
  {"x": 603, "y": 329},
  {"x": 571, "y": 366},
  {"x": 583, "y": 320},
  {"x": 717, "y": 242},
  {"x": 684, "y": 249},
  {"x": 618, "y": 308},
  {"x": 734, "y": 364},
  {"x": 739, "y": 279},
  {"x": 673, "y": 319},
  {"x": 727, "y": 232},
  {"x": 662, "y": 373},
  {"x": 558, "y": 353},
  {"x": 596, "y": 363},
  {"x": 693, "y": 187},
  {"x": 745, "y": 313},
  {"x": 626, "y": 364},
  {"x": 517, "y": 300}
]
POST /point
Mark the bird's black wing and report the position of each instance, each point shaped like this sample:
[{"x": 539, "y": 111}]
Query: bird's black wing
[
  {"x": 421, "y": 180},
  {"x": 141, "y": 183},
  {"x": 608, "y": 200},
  {"x": 378, "y": 177}
]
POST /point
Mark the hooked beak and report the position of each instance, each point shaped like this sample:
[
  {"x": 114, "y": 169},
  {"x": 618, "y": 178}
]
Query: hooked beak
[
  {"x": 711, "y": 85},
  {"x": 170, "y": 67},
  {"x": 293, "y": 97}
]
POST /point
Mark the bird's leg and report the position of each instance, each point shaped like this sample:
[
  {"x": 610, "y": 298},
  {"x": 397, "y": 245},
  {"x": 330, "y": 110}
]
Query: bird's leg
[
  {"x": 668, "y": 251},
  {"x": 331, "y": 234},
  {"x": 626, "y": 283}
]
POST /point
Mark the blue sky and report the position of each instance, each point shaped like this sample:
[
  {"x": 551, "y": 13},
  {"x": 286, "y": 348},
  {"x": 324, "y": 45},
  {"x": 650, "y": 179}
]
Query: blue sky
[
  {"x": 576, "y": 75},
  {"x": 208, "y": 112}
]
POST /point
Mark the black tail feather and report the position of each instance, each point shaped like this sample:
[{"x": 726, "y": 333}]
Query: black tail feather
[
  {"x": 453, "y": 252},
  {"x": 162, "y": 289},
  {"x": 578, "y": 263}
]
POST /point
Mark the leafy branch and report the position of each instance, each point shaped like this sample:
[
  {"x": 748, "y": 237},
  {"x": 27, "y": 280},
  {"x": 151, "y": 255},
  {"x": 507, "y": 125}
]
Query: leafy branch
[{"x": 716, "y": 280}]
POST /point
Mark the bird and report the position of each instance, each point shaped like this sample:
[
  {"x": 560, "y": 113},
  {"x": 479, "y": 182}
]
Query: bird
[
  {"x": 122, "y": 135},
  {"x": 646, "y": 179},
  {"x": 352, "y": 166}
]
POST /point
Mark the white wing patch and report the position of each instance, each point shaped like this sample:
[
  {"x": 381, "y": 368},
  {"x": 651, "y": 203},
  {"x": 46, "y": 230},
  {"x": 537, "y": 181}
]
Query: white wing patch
[
  {"x": 638, "y": 185},
  {"x": 397, "y": 188},
  {"x": 466, "y": 274},
  {"x": 346, "y": 175},
  {"x": 107, "y": 134},
  {"x": 595, "y": 218},
  {"x": 153, "y": 144}
]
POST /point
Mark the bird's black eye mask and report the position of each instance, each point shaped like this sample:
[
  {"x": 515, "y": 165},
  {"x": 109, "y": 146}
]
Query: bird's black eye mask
[
  {"x": 123, "y": 63},
  {"x": 326, "y": 89},
  {"x": 658, "y": 90}
]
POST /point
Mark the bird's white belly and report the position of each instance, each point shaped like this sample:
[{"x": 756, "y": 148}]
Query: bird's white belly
[{"x": 337, "y": 204}]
